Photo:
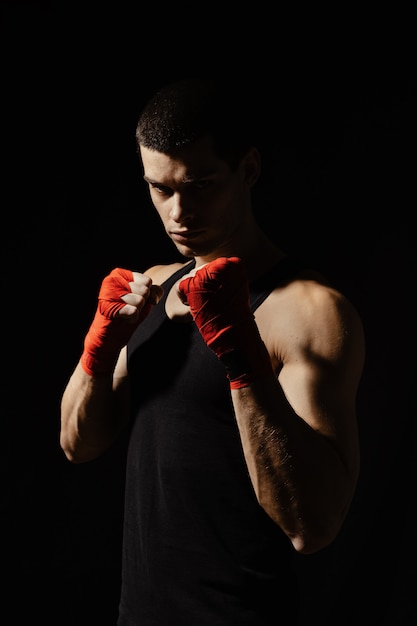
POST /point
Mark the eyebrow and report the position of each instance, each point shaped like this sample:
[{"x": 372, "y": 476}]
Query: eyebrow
[{"x": 191, "y": 178}]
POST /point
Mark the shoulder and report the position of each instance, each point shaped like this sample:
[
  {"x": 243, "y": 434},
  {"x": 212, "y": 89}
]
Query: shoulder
[
  {"x": 310, "y": 299},
  {"x": 307, "y": 316}
]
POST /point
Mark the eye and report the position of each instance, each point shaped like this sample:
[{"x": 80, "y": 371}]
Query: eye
[
  {"x": 161, "y": 189},
  {"x": 202, "y": 184}
]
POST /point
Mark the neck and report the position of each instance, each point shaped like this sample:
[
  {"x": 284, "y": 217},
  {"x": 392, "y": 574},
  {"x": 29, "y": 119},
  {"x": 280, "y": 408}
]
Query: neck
[{"x": 256, "y": 249}]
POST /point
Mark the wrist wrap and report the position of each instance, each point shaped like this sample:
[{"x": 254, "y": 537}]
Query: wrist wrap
[{"x": 218, "y": 297}]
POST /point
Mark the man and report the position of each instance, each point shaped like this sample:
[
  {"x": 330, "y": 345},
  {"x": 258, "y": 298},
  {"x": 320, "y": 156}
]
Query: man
[{"x": 236, "y": 373}]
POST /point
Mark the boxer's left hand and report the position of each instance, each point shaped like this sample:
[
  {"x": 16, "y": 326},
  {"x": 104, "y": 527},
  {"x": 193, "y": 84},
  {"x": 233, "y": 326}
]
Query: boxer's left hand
[{"x": 218, "y": 296}]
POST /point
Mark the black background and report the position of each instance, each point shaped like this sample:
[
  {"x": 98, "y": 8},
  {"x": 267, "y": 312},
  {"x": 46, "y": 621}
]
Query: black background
[{"x": 338, "y": 186}]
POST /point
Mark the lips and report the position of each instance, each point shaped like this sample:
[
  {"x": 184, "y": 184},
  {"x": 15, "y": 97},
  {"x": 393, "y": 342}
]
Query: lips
[{"x": 185, "y": 235}]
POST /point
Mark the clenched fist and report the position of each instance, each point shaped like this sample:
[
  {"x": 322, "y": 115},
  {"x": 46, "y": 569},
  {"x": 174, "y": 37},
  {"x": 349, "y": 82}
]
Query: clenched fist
[
  {"x": 124, "y": 300},
  {"x": 218, "y": 296}
]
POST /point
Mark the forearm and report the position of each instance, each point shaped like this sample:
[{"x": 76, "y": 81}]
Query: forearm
[
  {"x": 94, "y": 406},
  {"x": 88, "y": 417},
  {"x": 298, "y": 475}
]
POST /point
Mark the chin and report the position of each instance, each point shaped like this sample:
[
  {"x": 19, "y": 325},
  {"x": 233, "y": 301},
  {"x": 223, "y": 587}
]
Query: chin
[{"x": 186, "y": 252}]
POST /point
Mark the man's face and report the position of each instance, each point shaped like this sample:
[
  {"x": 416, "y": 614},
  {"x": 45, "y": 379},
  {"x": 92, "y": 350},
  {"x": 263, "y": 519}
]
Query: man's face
[{"x": 199, "y": 198}]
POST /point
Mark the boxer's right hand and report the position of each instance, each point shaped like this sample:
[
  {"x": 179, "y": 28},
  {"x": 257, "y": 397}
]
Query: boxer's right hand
[{"x": 124, "y": 300}]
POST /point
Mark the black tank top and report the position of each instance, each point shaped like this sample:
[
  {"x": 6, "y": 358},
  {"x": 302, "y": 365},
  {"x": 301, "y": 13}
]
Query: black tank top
[{"x": 198, "y": 550}]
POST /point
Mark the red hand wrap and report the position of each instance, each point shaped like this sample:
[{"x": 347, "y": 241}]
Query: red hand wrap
[
  {"x": 218, "y": 297},
  {"x": 108, "y": 334}
]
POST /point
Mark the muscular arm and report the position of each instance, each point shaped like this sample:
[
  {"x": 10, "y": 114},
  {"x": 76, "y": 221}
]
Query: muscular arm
[
  {"x": 94, "y": 405},
  {"x": 299, "y": 432},
  {"x": 297, "y": 419}
]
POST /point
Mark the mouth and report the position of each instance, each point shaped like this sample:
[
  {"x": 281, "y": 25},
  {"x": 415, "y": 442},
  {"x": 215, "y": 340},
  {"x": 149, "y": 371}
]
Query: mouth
[{"x": 185, "y": 236}]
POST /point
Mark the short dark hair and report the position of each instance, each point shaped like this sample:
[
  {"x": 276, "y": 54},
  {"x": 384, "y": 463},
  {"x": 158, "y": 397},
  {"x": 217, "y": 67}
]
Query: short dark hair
[{"x": 185, "y": 110}]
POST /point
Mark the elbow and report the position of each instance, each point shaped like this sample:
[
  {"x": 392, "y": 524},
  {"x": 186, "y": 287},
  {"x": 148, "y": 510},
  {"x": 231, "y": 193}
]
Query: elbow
[
  {"x": 311, "y": 543},
  {"x": 78, "y": 450},
  {"x": 71, "y": 457},
  {"x": 69, "y": 452},
  {"x": 317, "y": 529},
  {"x": 310, "y": 534},
  {"x": 76, "y": 459},
  {"x": 72, "y": 451},
  {"x": 316, "y": 535},
  {"x": 66, "y": 447}
]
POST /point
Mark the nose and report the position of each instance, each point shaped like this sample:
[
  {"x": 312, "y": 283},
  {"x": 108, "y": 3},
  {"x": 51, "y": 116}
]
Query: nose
[{"x": 180, "y": 210}]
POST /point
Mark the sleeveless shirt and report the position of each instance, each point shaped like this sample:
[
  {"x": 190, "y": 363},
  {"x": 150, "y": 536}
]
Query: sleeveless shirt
[{"x": 198, "y": 550}]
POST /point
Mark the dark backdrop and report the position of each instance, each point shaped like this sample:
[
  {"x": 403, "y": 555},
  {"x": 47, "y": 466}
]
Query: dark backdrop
[{"x": 338, "y": 186}]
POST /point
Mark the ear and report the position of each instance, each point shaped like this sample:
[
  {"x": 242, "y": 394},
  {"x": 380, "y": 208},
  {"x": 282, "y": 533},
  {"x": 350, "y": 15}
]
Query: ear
[{"x": 251, "y": 166}]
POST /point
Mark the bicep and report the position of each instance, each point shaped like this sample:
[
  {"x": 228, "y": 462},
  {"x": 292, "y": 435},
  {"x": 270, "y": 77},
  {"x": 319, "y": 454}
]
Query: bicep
[
  {"x": 320, "y": 377},
  {"x": 324, "y": 399},
  {"x": 318, "y": 394}
]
